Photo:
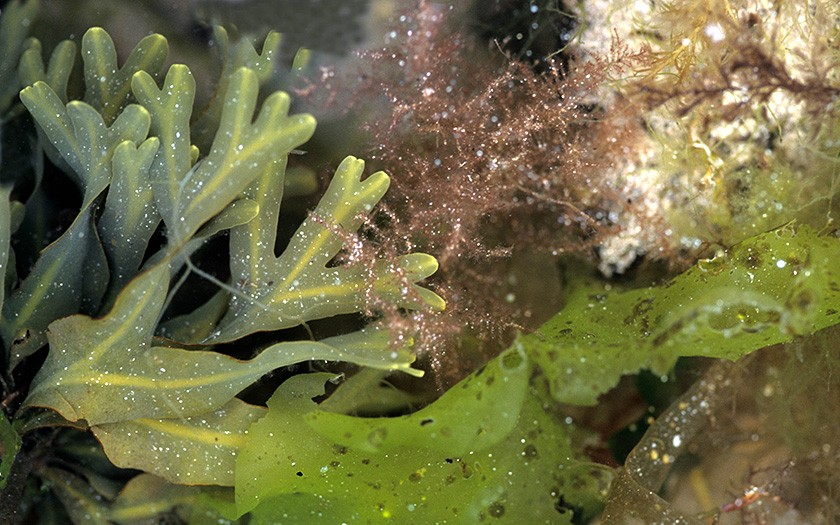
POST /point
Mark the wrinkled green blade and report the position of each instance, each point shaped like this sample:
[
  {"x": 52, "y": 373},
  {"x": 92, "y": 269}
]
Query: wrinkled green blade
[
  {"x": 199, "y": 450},
  {"x": 107, "y": 86},
  {"x": 54, "y": 288},
  {"x": 146, "y": 497},
  {"x": 761, "y": 292},
  {"x": 484, "y": 450},
  {"x": 368, "y": 392},
  {"x": 285, "y": 291},
  {"x": 439, "y": 427}
]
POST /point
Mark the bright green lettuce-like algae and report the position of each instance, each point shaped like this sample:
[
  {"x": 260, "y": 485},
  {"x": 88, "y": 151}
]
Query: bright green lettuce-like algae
[{"x": 493, "y": 446}]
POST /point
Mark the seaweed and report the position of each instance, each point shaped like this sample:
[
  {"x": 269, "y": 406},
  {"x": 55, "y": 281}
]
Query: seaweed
[
  {"x": 179, "y": 346},
  {"x": 85, "y": 341}
]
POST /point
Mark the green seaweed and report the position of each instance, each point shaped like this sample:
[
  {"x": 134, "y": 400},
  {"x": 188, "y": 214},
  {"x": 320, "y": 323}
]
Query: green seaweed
[
  {"x": 453, "y": 460},
  {"x": 763, "y": 291},
  {"x": 150, "y": 327},
  {"x": 786, "y": 286},
  {"x": 112, "y": 367}
]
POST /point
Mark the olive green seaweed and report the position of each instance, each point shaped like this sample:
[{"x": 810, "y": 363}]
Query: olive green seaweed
[
  {"x": 107, "y": 86},
  {"x": 187, "y": 196},
  {"x": 106, "y": 370},
  {"x": 83, "y": 139},
  {"x": 282, "y": 290},
  {"x": 106, "y": 334},
  {"x": 80, "y": 499},
  {"x": 198, "y": 450},
  {"x": 129, "y": 217},
  {"x": 113, "y": 367},
  {"x": 232, "y": 56},
  {"x": 50, "y": 292},
  {"x": 5, "y": 239},
  {"x": 56, "y": 73}
]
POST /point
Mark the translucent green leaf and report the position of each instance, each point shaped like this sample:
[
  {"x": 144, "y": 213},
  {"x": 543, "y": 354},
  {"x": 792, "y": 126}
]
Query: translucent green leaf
[
  {"x": 486, "y": 449},
  {"x": 10, "y": 442},
  {"x": 107, "y": 86},
  {"x": 50, "y": 291},
  {"x": 106, "y": 370},
  {"x": 298, "y": 286},
  {"x": 763, "y": 291},
  {"x": 440, "y": 427},
  {"x": 82, "y": 138},
  {"x": 145, "y": 497},
  {"x": 55, "y": 74},
  {"x": 198, "y": 450},
  {"x": 130, "y": 216},
  {"x": 15, "y": 21}
]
